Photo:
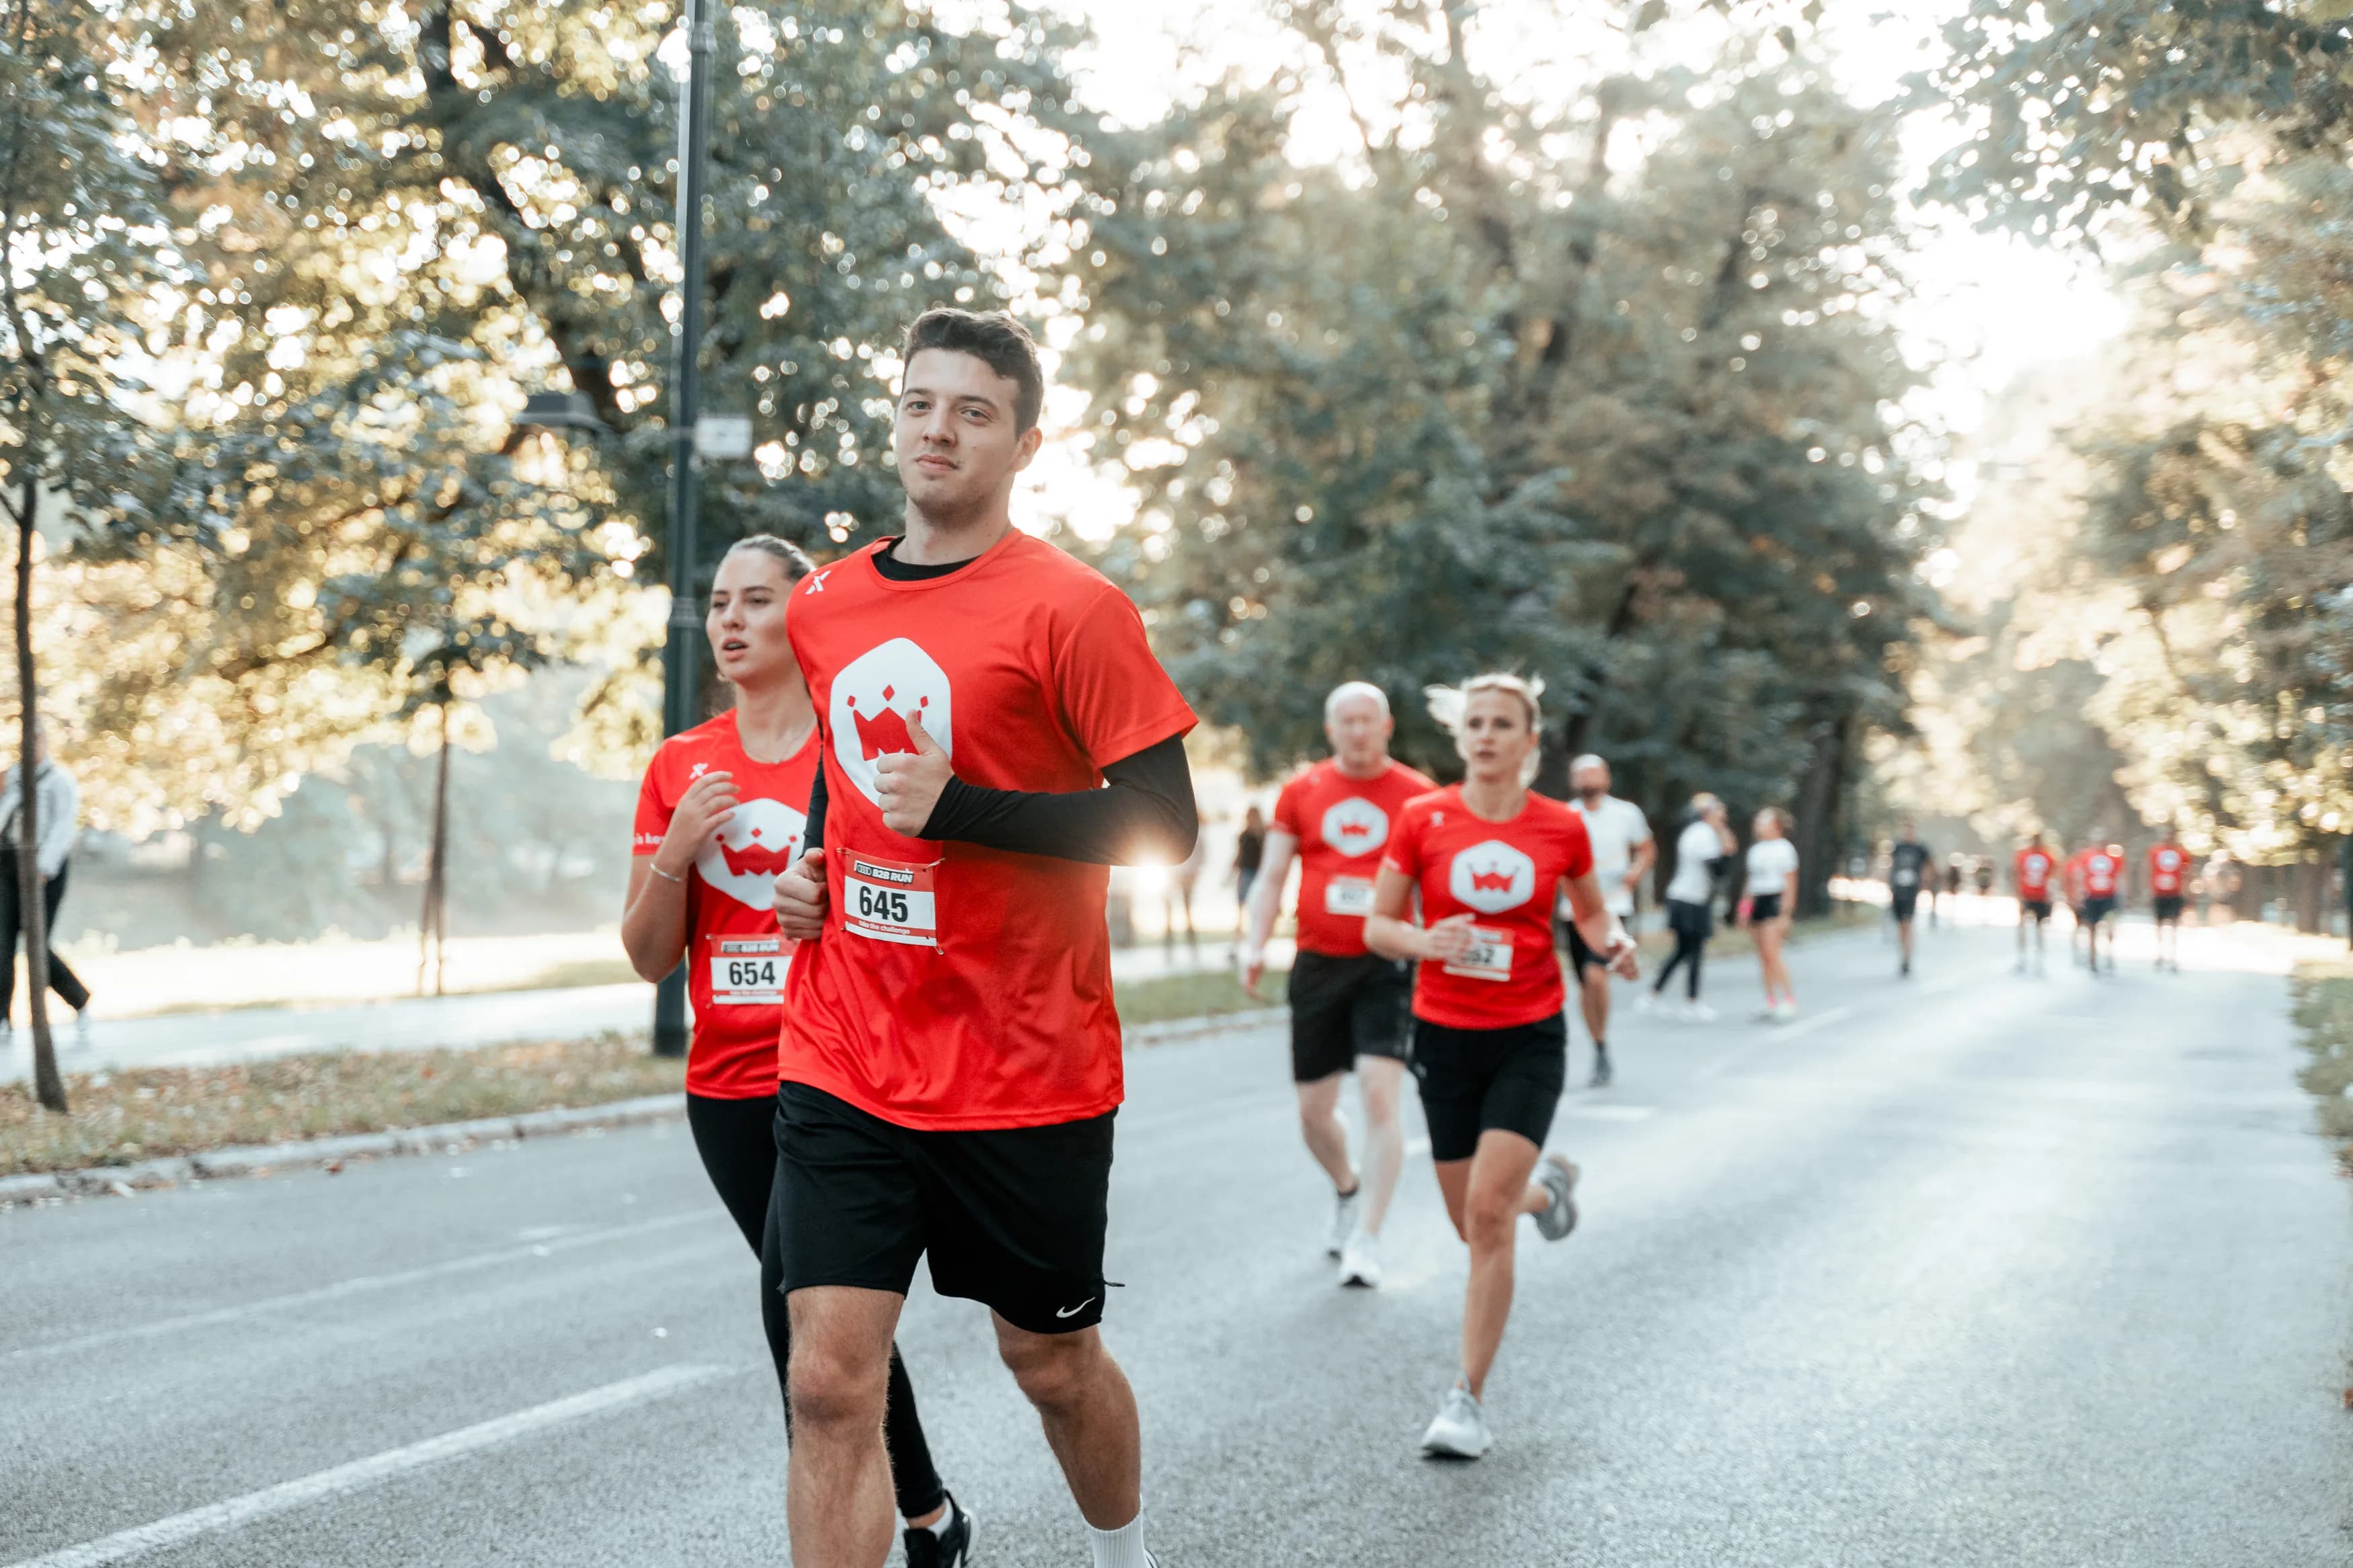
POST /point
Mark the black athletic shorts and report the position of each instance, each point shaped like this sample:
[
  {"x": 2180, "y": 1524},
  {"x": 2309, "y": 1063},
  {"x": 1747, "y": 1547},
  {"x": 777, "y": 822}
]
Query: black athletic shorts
[
  {"x": 1474, "y": 1079},
  {"x": 1343, "y": 1008},
  {"x": 2097, "y": 909},
  {"x": 1572, "y": 942},
  {"x": 1013, "y": 1218},
  {"x": 1764, "y": 907},
  {"x": 2167, "y": 906},
  {"x": 1903, "y": 901},
  {"x": 2038, "y": 908}
]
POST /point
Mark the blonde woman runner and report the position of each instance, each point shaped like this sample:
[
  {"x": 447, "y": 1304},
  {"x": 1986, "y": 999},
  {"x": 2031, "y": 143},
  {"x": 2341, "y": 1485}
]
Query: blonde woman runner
[{"x": 1488, "y": 856}]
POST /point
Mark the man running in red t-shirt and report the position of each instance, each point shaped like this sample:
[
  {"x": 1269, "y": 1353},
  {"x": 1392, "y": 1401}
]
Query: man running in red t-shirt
[
  {"x": 1348, "y": 1005},
  {"x": 996, "y": 732},
  {"x": 2168, "y": 878},
  {"x": 2103, "y": 871},
  {"x": 2030, "y": 874}
]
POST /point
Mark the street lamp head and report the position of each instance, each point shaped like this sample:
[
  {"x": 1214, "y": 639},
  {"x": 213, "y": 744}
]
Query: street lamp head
[{"x": 560, "y": 411}]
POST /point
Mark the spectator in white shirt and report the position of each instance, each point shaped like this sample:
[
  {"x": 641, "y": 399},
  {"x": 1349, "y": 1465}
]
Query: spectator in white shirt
[
  {"x": 56, "y": 805},
  {"x": 1704, "y": 843},
  {"x": 1772, "y": 899}
]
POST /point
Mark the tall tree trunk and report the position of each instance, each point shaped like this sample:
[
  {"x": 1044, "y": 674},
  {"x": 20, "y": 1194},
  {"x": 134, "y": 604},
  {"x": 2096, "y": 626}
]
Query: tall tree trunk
[
  {"x": 433, "y": 927},
  {"x": 47, "y": 1086},
  {"x": 1821, "y": 793}
]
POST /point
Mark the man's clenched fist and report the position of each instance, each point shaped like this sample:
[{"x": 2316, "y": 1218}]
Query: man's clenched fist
[{"x": 801, "y": 898}]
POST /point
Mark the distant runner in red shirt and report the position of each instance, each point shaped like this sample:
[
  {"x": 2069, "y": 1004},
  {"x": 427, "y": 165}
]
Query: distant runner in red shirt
[
  {"x": 1487, "y": 857},
  {"x": 2101, "y": 869},
  {"x": 2029, "y": 873},
  {"x": 2168, "y": 884},
  {"x": 1348, "y": 1006},
  {"x": 720, "y": 814},
  {"x": 995, "y": 733}
]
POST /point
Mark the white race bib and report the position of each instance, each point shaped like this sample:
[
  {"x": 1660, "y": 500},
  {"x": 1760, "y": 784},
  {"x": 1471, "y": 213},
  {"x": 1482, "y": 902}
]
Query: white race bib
[
  {"x": 889, "y": 900},
  {"x": 1348, "y": 896},
  {"x": 1490, "y": 957},
  {"x": 748, "y": 971}
]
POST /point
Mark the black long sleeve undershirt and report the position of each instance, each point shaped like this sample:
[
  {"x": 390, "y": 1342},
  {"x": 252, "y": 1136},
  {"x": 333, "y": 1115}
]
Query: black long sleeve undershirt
[{"x": 1145, "y": 811}]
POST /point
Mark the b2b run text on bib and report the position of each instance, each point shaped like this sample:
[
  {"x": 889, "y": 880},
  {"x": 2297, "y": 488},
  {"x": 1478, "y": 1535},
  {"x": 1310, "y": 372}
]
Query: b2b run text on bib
[
  {"x": 890, "y": 900},
  {"x": 748, "y": 971}
]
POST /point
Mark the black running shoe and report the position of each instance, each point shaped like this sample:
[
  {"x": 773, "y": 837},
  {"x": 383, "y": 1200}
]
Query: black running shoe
[{"x": 950, "y": 1548}]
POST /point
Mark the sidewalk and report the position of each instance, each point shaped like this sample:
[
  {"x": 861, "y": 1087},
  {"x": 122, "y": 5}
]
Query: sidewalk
[{"x": 249, "y": 1034}]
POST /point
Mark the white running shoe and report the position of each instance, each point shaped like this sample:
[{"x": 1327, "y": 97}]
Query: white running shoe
[
  {"x": 82, "y": 1027},
  {"x": 1360, "y": 1261},
  {"x": 1786, "y": 1010},
  {"x": 1646, "y": 1002},
  {"x": 1701, "y": 1012},
  {"x": 1458, "y": 1431},
  {"x": 1557, "y": 1177},
  {"x": 1344, "y": 1223}
]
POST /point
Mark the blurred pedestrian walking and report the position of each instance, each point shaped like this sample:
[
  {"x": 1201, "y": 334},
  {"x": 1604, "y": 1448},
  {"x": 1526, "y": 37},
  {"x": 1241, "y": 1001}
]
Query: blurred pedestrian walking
[
  {"x": 1705, "y": 844},
  {"x": 57, "y": 812}
]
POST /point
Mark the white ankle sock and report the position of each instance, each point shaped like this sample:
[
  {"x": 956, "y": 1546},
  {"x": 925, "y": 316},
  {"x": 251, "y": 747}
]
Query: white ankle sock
[
  {"x": 947, "y": 1517},
  {"x": 1120, "y": 1548}
]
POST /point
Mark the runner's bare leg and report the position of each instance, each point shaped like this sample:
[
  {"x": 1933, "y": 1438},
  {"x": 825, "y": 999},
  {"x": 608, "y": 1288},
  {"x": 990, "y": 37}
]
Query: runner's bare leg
[
  {"x": 1326, "y": 1134},
  {"x": 837, "y": 1502},
  {"x": 1380, "y": 1079},
  {"x": 1088, "y": 1411},
  {"x": 1485, "y": 1196}
]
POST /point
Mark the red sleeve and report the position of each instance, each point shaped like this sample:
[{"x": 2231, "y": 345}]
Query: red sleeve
[
  {"x": 654, "y": 807},
  {"x": 1404, "y": 853},
  {"x": 1115, "y": 697},
  {"x": 1286, "y": 807}
]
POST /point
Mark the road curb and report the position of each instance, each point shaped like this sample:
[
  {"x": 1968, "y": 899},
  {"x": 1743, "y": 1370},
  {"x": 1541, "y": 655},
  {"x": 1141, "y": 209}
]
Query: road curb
[
  {"x": 259, "y": 1159},
  {"x": 1207, "y": 1023},
  {"x": 256, "y": 1159}
]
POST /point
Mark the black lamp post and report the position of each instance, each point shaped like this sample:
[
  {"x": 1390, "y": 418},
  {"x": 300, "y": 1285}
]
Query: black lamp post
[{"x": 679, "y": 650}]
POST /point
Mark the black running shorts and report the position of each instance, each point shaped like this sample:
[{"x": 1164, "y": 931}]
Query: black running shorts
[
  {"x": 2097, "y": 909},
  {"x": 1343, "y": 1008},
  {"x": 1581, "y": 955},
  {"x": 1904, "y": 901},
  {"x": 1013, "y": 1218},
  {"x": 1764, "y": 907},
  {"x": 1474, "y": 1080},
  {"x": 2168, "y": 907},
  {"x": 2038, "y": 908}
]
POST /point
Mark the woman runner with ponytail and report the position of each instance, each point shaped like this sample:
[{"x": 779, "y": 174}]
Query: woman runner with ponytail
[
  {"x": 721, "y": 813},
  {"x": 1489, "y": 858}
]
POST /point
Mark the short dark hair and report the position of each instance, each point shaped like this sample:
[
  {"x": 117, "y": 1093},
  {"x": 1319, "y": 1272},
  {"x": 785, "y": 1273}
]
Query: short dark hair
[{"x": 994, "y": 338}]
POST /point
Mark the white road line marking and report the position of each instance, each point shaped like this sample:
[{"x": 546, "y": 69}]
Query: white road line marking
[
  {"x": 361, "y": 1474},
  {"x": 358, "y": 1285},
  {"x": 1612, "y": 1112}
]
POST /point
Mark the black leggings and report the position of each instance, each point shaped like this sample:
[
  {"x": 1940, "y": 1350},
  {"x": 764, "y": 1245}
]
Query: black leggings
[
  {"x": 62, "y": 979},
  {"x": 1691, "y": 944},
  {"x": 737, "y": 1141}
]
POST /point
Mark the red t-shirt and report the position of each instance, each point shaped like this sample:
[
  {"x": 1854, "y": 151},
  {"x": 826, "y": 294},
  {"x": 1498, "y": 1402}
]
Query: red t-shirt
[
  {"x": 2167, "y": 864},
  {"x": 1506, "y": 875},
  {"x": 958, "y": 986},
  {"x": 2033, "y": 869},
  {"x": 1342, "y": 824},
  {"x": 2100, "y": 872},
  {"x": 736, "y": 957}
]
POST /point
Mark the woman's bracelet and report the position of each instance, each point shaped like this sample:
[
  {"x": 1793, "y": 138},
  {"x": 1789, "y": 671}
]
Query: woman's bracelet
[{"x": 665, "y": 876}]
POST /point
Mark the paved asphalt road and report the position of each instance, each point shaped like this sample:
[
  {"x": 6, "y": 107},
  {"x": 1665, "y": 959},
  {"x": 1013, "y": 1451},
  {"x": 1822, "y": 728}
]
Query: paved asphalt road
[
  {"x": 1964, "y": 1270},
  {"x": 479, "y": 1018}
]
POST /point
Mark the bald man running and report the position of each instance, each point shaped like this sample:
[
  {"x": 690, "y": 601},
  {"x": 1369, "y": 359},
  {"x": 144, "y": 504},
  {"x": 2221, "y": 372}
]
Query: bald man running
[
  {"x": 1623, "y": 852},
  {"x": 1348, "y": 1004}
]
